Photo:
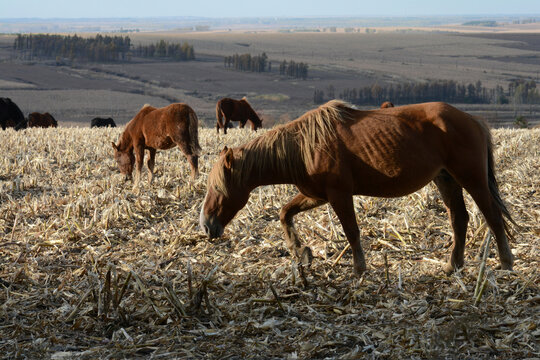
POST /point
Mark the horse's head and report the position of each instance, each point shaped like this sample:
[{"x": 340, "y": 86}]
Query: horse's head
[
  {"x": 256, "y": 120},
  {"x": 224, "y": 196},
  {"x": 125, "y": 161}
]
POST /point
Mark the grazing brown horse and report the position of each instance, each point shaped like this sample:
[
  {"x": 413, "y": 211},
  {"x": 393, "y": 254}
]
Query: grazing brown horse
[
  {"x": 236, "y": 110},
  {"x": 387, "y": 104},
  {"x": 334, "y": 152},
  {"x": 45, "y": 120},
  {"x": 158, "y": 129}
]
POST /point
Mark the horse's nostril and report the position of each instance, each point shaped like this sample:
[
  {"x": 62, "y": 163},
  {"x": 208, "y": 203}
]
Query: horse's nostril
[{"x": 206, "y": 229}]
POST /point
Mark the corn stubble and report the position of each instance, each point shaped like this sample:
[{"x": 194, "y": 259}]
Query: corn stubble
[{"x": 89, "y": 269}]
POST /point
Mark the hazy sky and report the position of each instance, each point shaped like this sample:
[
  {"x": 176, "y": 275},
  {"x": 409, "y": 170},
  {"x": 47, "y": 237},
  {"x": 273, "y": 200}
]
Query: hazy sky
[{"x": 260, "y": 8}]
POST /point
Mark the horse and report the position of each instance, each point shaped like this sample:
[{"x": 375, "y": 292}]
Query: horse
[
  {"x": 387, "y": 104},
  {"x": 158, "y": 129},
  {"x": 236, "y": 110},
  {"x": 334, "y": 152},
  {"x": 11, "y": 115},
  {"x": 102, "y": 122},
  {"x": 45, "y": 120}
]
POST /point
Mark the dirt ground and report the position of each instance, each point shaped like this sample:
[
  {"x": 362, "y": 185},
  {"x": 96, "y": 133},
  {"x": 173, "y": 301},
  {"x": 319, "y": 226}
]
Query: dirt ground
[{"x": 91, "y": 268}]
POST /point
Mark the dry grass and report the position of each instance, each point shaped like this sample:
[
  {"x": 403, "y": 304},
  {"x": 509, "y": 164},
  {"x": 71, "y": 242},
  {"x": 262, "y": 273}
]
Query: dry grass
[{"x": 89, "y": 269}]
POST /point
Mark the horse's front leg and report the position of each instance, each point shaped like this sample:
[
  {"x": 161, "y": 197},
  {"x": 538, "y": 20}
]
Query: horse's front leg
[
  {"x": 151, "y": 162},
  {"x": 342, "y": 203},
  {"x": 139, "y": 161},
  {"x": 297, "y": 205}
]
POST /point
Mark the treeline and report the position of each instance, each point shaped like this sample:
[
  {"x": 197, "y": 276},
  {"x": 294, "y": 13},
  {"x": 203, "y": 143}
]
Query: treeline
[
  {"x": 166, "y": 50},
  {"x": 293, "y": 69},
  {"x": 99, "y": 48},
  {"x": 519, "y": 91},
  {"x": 260, "y": 63},
  {"x": 246, "y": 62}
]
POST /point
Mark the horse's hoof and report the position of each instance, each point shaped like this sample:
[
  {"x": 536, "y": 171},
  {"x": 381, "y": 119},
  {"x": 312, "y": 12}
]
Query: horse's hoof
[
  {"x": 505, "y": 267},
  {"x": 306, "y": 256},
  {"x": 360, "y": 269},
  {"x": 449, "y": 269}
]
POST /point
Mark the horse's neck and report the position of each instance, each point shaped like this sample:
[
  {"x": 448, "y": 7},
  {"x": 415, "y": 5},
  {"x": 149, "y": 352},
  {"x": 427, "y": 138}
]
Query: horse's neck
[
  {"x": 125, "y": 140},
  {"x": 253, "y": 116},
  {"x": 272, "y": 171}
]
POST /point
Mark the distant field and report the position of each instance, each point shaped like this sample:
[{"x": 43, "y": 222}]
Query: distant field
[
  {"x": 91, "y": 269},
  {"x": 342, "y": 60}
]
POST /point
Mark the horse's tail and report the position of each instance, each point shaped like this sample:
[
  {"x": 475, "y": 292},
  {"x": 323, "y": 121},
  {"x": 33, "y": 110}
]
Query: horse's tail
[
  {"x": 219, "y": 114},
  {"x": 494, "y": 187},
  {"x": 194, "y": 132}
]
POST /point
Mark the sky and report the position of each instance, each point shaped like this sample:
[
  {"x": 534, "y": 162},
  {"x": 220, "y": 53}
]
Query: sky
[{"x": 260, "y": 8}]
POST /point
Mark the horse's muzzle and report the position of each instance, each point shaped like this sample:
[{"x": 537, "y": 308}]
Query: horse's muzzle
[{"x": 210, "y": 225}]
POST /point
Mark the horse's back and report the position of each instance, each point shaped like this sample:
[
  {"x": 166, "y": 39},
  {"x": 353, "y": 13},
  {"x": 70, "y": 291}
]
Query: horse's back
[
  {"x": 161, "y": 128},
  {"x": 227, "y": 106},
  {"x": 395, "y": 151}
]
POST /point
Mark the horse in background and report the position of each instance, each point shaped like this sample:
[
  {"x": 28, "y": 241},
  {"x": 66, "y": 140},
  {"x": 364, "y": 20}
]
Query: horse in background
[
  {"x": 44, "y": 120},
  {"x": 387, "y": 104},
  {"x": 102, "y": 122},
  {"x": 11, "y": 115},
  {"x": 236, "y": 110},
  {"x": 334, "y": 152},
  {"x": 155, "y": 129}
]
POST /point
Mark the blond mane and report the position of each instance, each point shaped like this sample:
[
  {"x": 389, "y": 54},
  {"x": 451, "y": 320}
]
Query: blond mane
[{"x": 286, "y": 149}]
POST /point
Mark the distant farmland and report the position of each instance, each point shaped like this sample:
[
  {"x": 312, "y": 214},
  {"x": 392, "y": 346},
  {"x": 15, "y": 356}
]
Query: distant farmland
[{"x": 338, "y": 60}]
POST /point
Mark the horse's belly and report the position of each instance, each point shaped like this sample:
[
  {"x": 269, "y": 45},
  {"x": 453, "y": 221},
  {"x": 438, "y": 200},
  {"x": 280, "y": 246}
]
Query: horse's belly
[
  {"x": 374, "y": 183},
  {"x": 161, "y": 143}
]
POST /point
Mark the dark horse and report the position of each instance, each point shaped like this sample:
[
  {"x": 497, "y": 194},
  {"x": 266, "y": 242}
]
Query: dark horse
[
  {"x": 335, "y": 152},
  {"x": 158, "y": 129},
  {"x": 386, "y": 104},
  {"x": 45, "y": 120},
  {"x": 102, "y": 122},
  {"x": 236, "y": 110},
  {"x": 11, "y": 115}
]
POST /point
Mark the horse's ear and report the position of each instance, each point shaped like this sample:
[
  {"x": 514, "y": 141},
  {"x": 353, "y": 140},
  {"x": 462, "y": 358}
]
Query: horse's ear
[
  {"x": 114, "y": 146},
  {"x": 229, "y": 158},
  {"x": 222, "y": 152}
]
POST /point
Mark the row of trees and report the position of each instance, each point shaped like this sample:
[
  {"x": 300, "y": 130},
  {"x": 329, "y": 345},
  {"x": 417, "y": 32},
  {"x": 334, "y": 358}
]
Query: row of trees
[
  {"x": 293, "y": 69},
  {"x": 246, "y": 62},
  {"x": 166, "y": 50},
  {"x": 519, "y": 91},
  {"x": 99, "y": 48},
  {"x": 260, "y": 63}
]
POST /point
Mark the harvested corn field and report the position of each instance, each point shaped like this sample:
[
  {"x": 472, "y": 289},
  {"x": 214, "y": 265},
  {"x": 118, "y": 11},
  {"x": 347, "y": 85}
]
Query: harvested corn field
[{"x": 90, "y": 268}]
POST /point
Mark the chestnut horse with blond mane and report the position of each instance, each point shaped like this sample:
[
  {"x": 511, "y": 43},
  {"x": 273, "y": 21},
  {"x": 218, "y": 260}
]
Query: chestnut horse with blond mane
[
  {"x": 158, "y": 129},
  {"x": 236, "y": 110},
  {"x": 334, "y": 152}
]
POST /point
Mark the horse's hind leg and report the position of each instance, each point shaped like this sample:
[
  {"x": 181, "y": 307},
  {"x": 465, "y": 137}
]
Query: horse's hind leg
[
  {"x": 151, "y": 162},
  {"x": 182, "y": 143},
  {"x": 452, "y": 195},
  {"x": 297, "y": 205},
  {"x": 494, "y": 218}
]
